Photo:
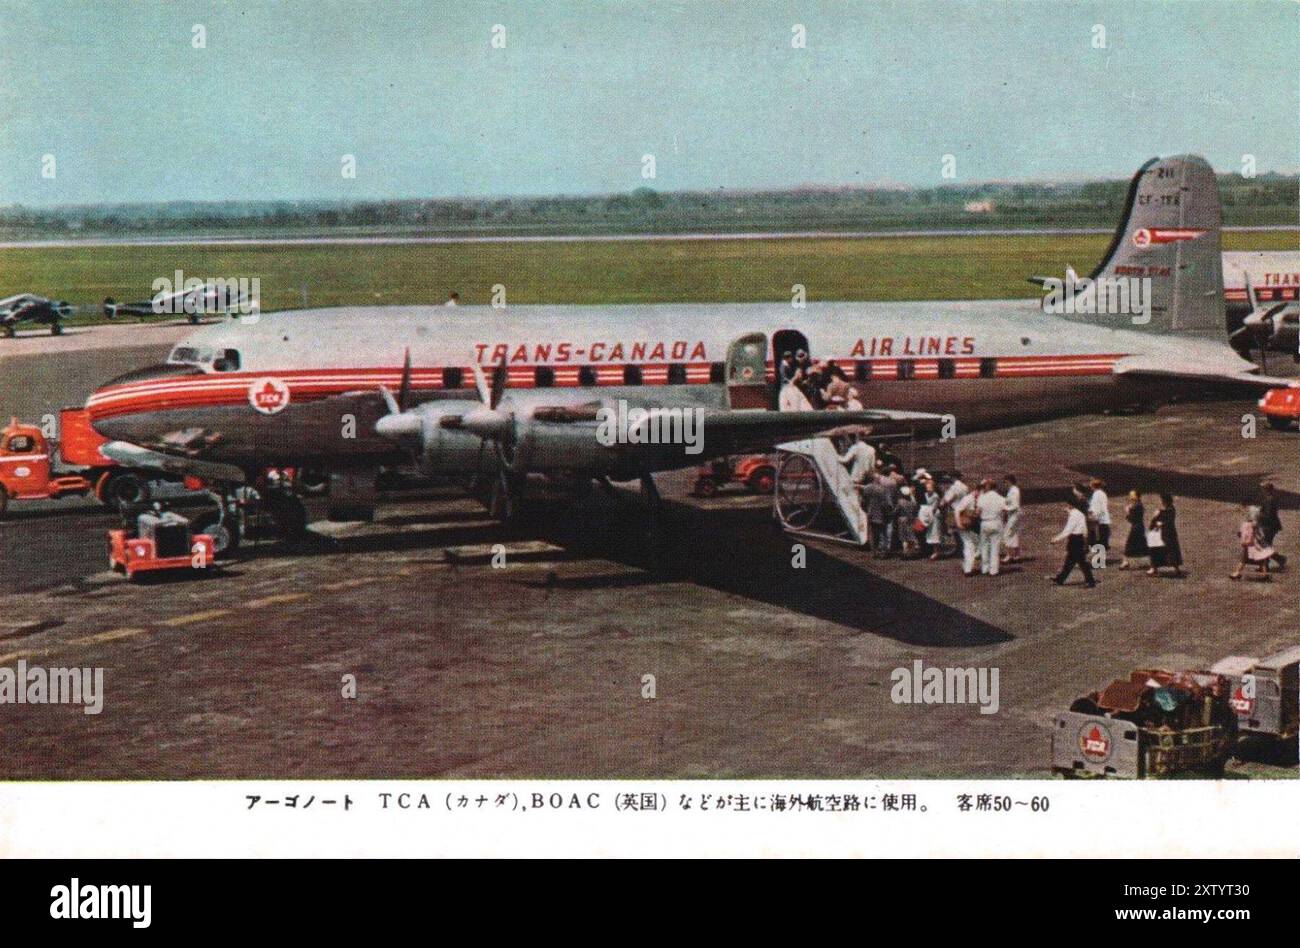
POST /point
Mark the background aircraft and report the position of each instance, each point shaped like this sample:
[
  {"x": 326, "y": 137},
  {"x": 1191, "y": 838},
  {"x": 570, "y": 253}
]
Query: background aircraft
[
  {"x": 194, "y": 302},
  {"x": 1268, "y": 326},
  {"x": 27, "y": 307}
]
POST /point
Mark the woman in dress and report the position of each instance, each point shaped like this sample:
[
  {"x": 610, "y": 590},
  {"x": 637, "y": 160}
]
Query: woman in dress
[
  {"x": 1171, "y": 554},
  {"x": 1136, "y": 544}
]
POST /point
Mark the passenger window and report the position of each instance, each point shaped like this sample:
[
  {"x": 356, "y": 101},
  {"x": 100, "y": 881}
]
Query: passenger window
[
  {"x": 452, "y": 377},
  {"x": 906, "y": 370},
  {"x": 717, "y": 373},
  {"x": 632, "y": 375},
  {"x": 543, "y": 376},
  {"x": 988, "y": 368},
  {"x": 676, "y": 374},
  {"x": 862, "y": 371},
  {"x": 227, "y": 361},
  {"x": 586, "y": 376},
  {"x": 947, "y": 369}
]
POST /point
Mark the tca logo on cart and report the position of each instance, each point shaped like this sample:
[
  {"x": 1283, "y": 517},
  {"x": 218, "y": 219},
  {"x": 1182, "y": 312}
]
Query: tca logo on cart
[
  {"x": 269, "y": 396},
  {"x": 1095, "y": 742},
  {"x": 1243, "y": 697}
]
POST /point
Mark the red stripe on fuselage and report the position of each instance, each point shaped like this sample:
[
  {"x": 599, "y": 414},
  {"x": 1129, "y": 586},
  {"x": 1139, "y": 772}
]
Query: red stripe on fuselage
[{"x": 308, "y": 385}]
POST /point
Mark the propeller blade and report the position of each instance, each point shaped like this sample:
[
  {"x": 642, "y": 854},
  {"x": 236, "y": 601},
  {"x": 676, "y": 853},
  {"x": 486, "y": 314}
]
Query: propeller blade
[
  {"x": 394, "y": 407},
  {"x": 404, "y": 392},
  {"x": 399, "y": 425},
  {"x": 499, "y": 377},
  {"x": 480, "y": 383}
]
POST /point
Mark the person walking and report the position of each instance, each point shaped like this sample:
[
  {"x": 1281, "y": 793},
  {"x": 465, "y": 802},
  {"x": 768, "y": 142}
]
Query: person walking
[
  {"x": 1270, "y": 523},
  {"x": 1135, "y": 545},
  {"x": 1075, "y": 535},
  {"x": 905, "y": 511},
  {"x": 992, "y": 508},
  {"x": 1166, "y": 550},
  {"x": 875, "y": 501},
  {"x": 1099, "y": 511},
  {"x": 1015, "y": 520},
  {"x": 1253, "y": 552}
]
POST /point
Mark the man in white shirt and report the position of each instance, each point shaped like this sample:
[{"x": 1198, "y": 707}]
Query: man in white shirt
[
  {"x": 969, "y": 536},
  {"x": 860, "y": 459},
  {"x": 1099, "y": 511},
  {"x": 992, "y": 510},
  {"x": 1015, "y": 520},
  {"x": 1075, "y": 536}
]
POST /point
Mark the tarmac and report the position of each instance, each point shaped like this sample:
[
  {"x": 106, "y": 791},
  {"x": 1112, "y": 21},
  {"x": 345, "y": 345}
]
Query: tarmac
[{"x": 598, "y": 649}]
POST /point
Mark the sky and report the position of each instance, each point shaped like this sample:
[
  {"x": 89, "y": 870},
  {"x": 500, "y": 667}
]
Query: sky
[{"x": 117, "y": 92}]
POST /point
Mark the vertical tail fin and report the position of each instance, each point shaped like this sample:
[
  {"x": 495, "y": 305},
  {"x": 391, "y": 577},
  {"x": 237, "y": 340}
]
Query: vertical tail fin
[{"x": 1170, "y": 234}]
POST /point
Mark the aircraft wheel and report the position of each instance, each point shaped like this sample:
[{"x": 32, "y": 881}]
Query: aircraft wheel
[
  {"x": 1280, "y": 424},
  {"x": 126, "y": 490},
  {"x": 10, "y": 332},
  {"x": 762, "y": 481},
  {"x": 4, "y": 501},
  {"x": 224, "y": 533},
  {"x": 56, "y": 329}
]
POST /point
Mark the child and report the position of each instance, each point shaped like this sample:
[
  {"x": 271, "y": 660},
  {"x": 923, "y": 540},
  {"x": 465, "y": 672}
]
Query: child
[{"x": 1253, "y": 552}]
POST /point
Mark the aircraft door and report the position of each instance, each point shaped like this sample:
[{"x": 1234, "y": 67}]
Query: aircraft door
[
  {"x": 747, "y": 372},
  {"x": 788, "y": 340}
]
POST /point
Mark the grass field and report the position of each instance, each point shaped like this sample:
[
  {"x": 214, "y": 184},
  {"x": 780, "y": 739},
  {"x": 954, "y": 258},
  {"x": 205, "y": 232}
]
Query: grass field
[{"x": 964, "y": 267}]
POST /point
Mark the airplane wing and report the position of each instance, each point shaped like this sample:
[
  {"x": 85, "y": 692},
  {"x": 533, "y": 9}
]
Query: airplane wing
[
  {"x": 734, "y": 432},
  {"x": 1144, "y": 367}
]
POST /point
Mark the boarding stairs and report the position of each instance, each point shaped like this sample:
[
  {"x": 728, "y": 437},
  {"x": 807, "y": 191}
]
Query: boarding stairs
[{"x": 836, "y": 483}]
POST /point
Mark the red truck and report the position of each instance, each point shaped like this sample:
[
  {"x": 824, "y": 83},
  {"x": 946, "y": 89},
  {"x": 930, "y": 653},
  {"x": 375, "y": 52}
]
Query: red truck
[{"x": 30, "y": 470}]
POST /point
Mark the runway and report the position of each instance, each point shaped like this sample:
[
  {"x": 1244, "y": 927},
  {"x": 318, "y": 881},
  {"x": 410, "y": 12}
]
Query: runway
[
  {"x": 537, "y": 668},
  {"x": 216, "y": 240}
]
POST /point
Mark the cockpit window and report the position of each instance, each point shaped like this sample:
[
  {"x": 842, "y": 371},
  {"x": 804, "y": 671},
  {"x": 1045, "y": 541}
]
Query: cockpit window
[
  {"x": 20, "y": 443},
  {"x": 227, "y": 361},
  {"x": 191, "y": 355}
]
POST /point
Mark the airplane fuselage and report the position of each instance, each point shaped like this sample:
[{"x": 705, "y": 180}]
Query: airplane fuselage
[{"x": 300, "y": 387}]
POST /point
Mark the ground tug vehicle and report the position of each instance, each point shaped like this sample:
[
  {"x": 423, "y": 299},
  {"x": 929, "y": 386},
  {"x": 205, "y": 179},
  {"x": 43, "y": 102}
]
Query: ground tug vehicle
[
  {"x": 756, "y": 472},
  {"x": 160, "y": 541},
  {"x": 1281, "y": 406},
  {"x": 1265, "y": 694}
]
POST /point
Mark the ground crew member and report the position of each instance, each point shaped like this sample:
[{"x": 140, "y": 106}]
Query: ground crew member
[
  {"x": 992, "y": 510},
  {"x": 1075, "y": 536}
]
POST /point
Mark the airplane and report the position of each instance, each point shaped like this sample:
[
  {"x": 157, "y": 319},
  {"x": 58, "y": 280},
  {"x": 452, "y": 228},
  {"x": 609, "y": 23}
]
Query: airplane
[
  {"x": 315, "y": 389},
  {"x": 194, "y": 301},
  {"x": 1252, "y": 277},
  {"x": 1268, "y": 327},
  {"x": 28, "y": 307}
]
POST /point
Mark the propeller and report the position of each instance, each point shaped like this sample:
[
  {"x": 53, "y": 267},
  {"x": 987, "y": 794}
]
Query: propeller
[
  {"x": 500, "y": 427},
  {"x": 399, "y": 423}
]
